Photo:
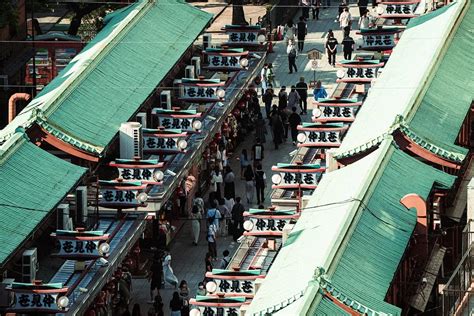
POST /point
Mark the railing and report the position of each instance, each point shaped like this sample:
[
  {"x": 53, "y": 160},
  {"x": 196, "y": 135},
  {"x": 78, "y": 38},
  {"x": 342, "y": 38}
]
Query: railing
[
  {"x": 467, "y": 236},
  {"x": 458, "y": 294}
]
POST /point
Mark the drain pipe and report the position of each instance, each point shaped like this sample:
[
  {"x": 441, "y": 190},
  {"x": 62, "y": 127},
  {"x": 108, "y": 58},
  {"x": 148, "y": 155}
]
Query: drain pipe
[{"x": 12, "y": 104}]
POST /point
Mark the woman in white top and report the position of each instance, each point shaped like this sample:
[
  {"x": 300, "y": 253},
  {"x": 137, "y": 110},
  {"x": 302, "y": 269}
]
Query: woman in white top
[
  {"x": 364, "y": 21},
  {"x": 216, "y": 181},
  {"x": 168, "y": 271},
  {"x": 290, "y": 30}
]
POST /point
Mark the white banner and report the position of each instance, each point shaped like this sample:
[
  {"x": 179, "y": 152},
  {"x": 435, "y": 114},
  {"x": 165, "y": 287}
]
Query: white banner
[
  {"x": 298, "y": 178},
  {"x": 362, "y": 74},
  {"x": 401, "y": 10},
  {"x": 267, "y": 225}
]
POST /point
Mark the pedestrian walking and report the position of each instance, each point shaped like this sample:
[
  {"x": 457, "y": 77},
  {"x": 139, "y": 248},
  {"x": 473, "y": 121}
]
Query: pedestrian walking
[
  {"x": 225, "y": 216},
  {"x": 168, "y": 271},
  {"x": 284, "y": 120},
  {"x": 264, "y": 77},
  {"x": 271, "y": 75},
  {"x": 249, "y": 184},
  {"x": 362, "y": 4},
  {"x": 184, "y": 295},
  {"x": 294, "y": 120},
  {"x": 213, "y": 213},
  {"x": 208, "y": 262},
  {"x": 348, "y": 47},
  {"x": 282, "y": 98},
  {"x": 155, "y": 275},
  {"x": 196, "y": 217},
  {"x": 267, "y": 99},
  {"x": 225, "y": 259},
  {"x": 302, "y": 89},
  {"x": 257, "y": 152},
  {"x": 364, "y": 21},
  {"x": 342, "y": 5},
  {"x": 260, "y": 184},
  {"x": 315, "y": 6},
  {"x": 277, "y": 128},
  {"x": 176, "y": 304},
  {"x": 293, "y": 98},
  {"x": 345, "y": 21},
  {"x": 237, "y": 219},
  {"x": 244, "y": 162},
  {"x": 319, "y": 92},
  {"x": 216, "y": 181},
  {"x": 229, "y": 183},
  {"x": 305, "y": 8},
  {"x": 260, "y": 128},
  {"x": 212, "y": 237},
  {"x": 292, "y": 54},
  {"x": 289, "y": 31},
  {"x": 301, "y": 31},
  {"x": 331, "y": 48}
]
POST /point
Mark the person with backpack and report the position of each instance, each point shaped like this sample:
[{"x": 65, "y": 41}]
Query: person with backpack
[
  {"x": 292, "y": 54},
  {"x": 267, "y": 99},
  {"x": 331, "y": 48},
  {"x": 225, "y": 260},
  {"x": 213, "y": 213},
  {"x": 260, "y": 184}
]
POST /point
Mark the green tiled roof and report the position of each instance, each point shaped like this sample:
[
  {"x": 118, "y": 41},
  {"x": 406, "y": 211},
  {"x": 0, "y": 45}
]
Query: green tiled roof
[
  {"x": 113, "y": 75},
  {"x": 377, "y": 243},
  {"x": 451, "y": 91},
  {"x": 427, "y": 81},
  {"x": 30, "y": 178}
]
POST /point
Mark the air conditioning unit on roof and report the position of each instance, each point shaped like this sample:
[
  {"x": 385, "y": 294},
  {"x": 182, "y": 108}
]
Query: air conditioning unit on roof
[{"x": 131, "y": 140}]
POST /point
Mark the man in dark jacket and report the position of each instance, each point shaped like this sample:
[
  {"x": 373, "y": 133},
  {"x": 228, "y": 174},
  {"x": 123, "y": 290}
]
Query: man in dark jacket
[
  {"x": 294, "y": 121},
  {"x": 238, "y": 219},
  {"x": 302, "y": 89},
  {"x": 302, "y": 30}
]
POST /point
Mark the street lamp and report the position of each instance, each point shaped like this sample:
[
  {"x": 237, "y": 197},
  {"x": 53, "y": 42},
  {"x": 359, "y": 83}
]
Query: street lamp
[
  {"x": 104, "y": 248},
  {"x": 62, "y": 301},
  {"x": 248, "y": 225},
  {"x": 244, "y": 62},
  {"x": 317, "y": 112},
  {"x": 182, "y": 144},
  {"x": 142, "y": 197},
  {"x": 221, "y": 93},
  {"x": 276, "y": 179},
  {"x": 380, "y": 10},
  {"x": 301, "y": 138},
  {"x": 261, "y": 38},
  {"x": 340, "y": 73},
  {"x": 197, "y": 125},
  {"x": 195, "y": 312},
  {"x": 158, "y": 175},
  {"x": 211, "y": 287}
]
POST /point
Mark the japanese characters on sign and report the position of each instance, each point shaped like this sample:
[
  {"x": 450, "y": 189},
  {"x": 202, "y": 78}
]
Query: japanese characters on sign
[
  {"x": 378, "y": 41},
  {"x": 229, "y": 63},
  {"x": 36, "y": 301},
  {"x": 400, "y": 10},
  {"x": 219, "y": 311},
  {"x": 218, "y": 306},
  {"x": 243, "y": 37},
  {"x": 39, "y": 298},
  {"x": 164, "y": 140},
  {"x": 79, "y": 248},
  {"x": 322, "y": 138},
  {"x": 267, "y": 223},
  {"x": 337, "y": 113},
  {"x": 146, "y": 171},
  {"x": 320, "y": 135},
  {"x": 184, "y": 120},
  {"x": 295, "y": 176},
  {"x": 113, "y": 197},
  {"x": 356, "y": 71},
  {"x": 185, "y": 124},
  {"x": 144, "y": 174}
]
